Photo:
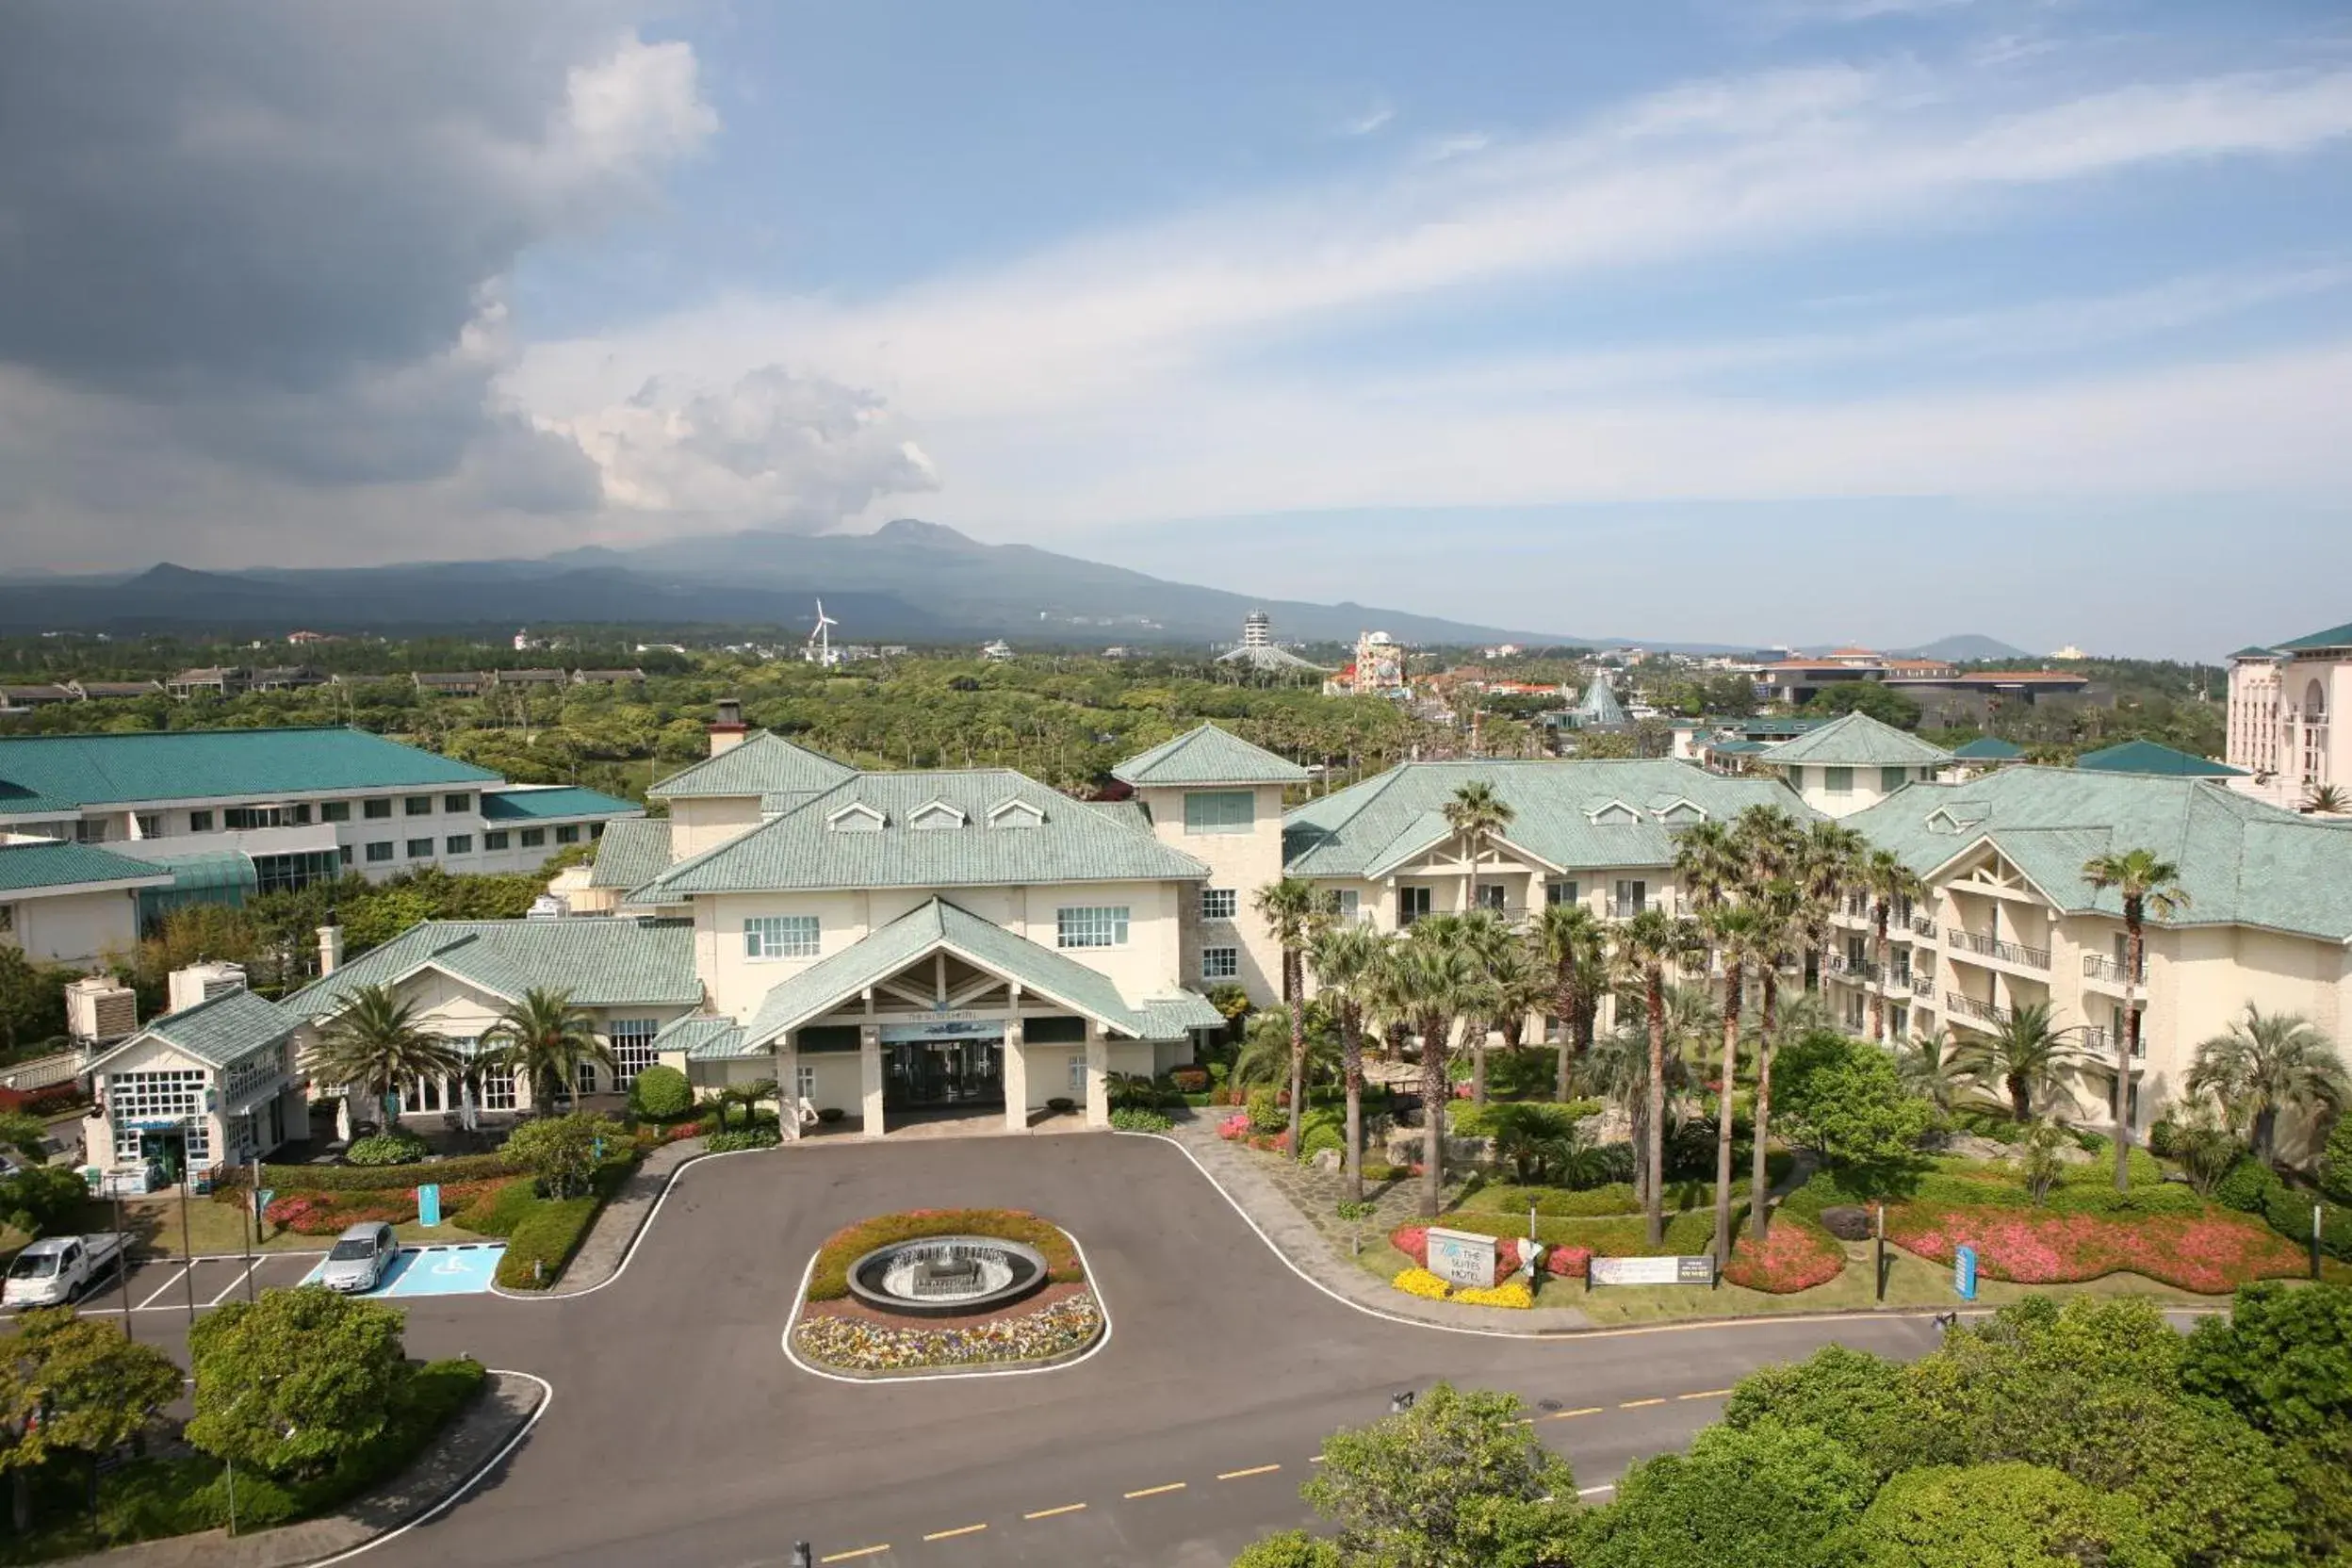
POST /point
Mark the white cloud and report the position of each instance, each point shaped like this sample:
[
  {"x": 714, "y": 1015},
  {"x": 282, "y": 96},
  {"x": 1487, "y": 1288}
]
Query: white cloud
[{"x": 1369, "y": 121}]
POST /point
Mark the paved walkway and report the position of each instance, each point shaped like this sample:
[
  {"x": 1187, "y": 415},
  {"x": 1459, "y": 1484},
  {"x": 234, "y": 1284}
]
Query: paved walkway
[
  {"x": 617, "y": 1224},
  {"x": 507, "y": 1402},
  {"x": 1294, "y": 1205}
]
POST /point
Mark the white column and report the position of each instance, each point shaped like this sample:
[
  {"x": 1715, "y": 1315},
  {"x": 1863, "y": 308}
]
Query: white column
[
  {"x": 787, "y": 1081},
  {"x": 1098, "y": 1077},
  {"x": 1016, "y": 1075},
  {"x": 869, "y": 1075}
]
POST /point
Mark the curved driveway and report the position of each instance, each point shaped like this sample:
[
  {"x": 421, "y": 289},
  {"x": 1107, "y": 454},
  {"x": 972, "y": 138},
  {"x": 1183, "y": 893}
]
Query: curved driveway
[{"x": 680, "y": 1434}]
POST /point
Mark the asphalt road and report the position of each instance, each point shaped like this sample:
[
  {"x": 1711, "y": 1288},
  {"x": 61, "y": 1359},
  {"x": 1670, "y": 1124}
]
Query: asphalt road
[{"x": 679, "y": 1434}]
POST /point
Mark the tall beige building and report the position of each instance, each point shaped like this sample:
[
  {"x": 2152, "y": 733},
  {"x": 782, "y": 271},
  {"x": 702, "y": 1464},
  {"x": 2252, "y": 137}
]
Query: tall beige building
[{"x": 2283, "y": 706}]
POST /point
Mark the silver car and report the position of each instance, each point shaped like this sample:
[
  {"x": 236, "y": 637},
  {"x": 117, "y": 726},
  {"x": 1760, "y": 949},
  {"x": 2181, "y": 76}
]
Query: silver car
[{"x": 359, "y": 1258}]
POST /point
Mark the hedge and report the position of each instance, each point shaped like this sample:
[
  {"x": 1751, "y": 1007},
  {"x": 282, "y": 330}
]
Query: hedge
[
  {"x": 829, "y": 1280},
  {"x": 548, "y": 1230},
  {"x": 356, "y": 1178}
]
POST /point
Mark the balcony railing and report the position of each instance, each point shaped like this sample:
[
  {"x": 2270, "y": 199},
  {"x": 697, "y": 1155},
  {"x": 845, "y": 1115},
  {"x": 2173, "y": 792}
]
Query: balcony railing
[
  {"x": 1923, "y": 926},
  {"x": 1853, "y": 969},
  {"x": 1969, "y": 1006},
  {"x": 1993, "y": 947},
  {"x": 2098, "y": 968},
  {"x": 2097, "y": 1039},
  {"x": 1922, "y": 983}
]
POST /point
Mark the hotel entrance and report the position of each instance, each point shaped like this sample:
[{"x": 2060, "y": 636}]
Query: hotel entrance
[{"x": 954, "y": 1063}]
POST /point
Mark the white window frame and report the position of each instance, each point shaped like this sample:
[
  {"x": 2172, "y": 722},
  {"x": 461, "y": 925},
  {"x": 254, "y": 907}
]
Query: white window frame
[
  {"x": 1077, "y": 1072},
  {"x": 498, "y": 1090},
  {"x": 1350, "y": 903},
  {"x": 1630, "y": 896},
  {"x": 804, "y": 1083},
  {"x": 1220, "y": 963},
  {"x": 1200, "y": 817},
  {"x": 1414, "y": 902},
  {"x": 1220, "y": 902},
  {"x": 767, "y": 938},
  {"x": 1091, "y": 925},
  {"x": 632, "y": 1039}
]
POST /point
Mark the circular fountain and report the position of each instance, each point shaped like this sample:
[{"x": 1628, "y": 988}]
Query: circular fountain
[{"x": 946, "y": 1276}]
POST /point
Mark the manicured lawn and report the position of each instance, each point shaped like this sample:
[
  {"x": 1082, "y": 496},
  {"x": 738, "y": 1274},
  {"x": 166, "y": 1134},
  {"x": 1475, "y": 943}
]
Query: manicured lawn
[{"x": 218, "y": 1229}]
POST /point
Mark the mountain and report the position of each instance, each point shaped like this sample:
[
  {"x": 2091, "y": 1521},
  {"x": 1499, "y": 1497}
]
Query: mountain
[
  {"x": 1967, "y": 645},
  {"x": 908, "y": 581}
]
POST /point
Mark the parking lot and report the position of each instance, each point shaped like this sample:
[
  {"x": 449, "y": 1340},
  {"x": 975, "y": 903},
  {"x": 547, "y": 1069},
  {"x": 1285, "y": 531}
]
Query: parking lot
[{"x": 171, "y": 1284}]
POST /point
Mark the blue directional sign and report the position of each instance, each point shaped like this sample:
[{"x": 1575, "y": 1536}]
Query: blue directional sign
[
  {"x": 428, "y": 1203},
  {"x": 1964, "y": 1272}
]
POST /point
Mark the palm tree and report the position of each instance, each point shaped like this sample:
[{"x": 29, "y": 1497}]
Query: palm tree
[
  {"x": 1494, "y": 949},
  {"x": 1292, "y": 908},
  {"x": 1575, "y": 945},
  {"x": 547, "y": 1039},
  {"x": 2266, "y": 1063},
  {"x": 1828, "y": 861},
  {"x": 2147, "y": 884},
  {"x": 1778, "y": 907},
  {"x": 1347, "y": 957},
  {"x": 1478, "y": 815},
  {"x": 375, "y": 1044},
  {"x": 1645, "y": 944},
  {"x": 2022, "y": 1059},
  {"x": 1709, "y": 862},
  {"x": 1437, "y": 973},
  {"x": 1889, "y": 881},
  {"x": 1737, "y": 933},
  {"x": 1929, "y": 1069}
]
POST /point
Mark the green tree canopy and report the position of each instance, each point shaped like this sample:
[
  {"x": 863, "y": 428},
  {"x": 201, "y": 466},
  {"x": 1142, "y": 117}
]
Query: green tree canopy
[
  {"x": 73, "y": 1385},
  {"x": 1844, "y": 1099},
  {"x": 561, "y": 1150},
  {"x": 295, "y": 1379},
  {"x": 1864, "y": 696},
  {"x": 1743, "y": 1497}
]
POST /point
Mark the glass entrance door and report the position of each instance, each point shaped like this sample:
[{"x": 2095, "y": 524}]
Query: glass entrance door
[{"x": 945, "y": 1073}]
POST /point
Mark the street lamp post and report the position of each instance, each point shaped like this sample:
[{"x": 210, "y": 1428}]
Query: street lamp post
[{"x": 187, "y": 1200}]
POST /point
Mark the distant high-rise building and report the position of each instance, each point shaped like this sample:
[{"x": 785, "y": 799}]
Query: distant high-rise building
[{"x": 1258, "y": 653}]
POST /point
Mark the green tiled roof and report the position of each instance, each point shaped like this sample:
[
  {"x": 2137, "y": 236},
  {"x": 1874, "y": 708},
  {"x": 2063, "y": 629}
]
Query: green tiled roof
[
  {"x": 218, "y": 1032},
  {"x": 705, "y": 1039},
  {"x": 1737, "y": 748},
  {"x": 2148, "y": 757},
  {"x": 938, "y": 925},
  {"x": 763, "y": 764},
  {"x": 53, "y": 864},
  {"x": 1128, "y": 813},
  {"x": 632, "y": 852},
  {"x": 2242, "y": 861},
  {"x": 2334, "y": 637},
  {"x": 1988, "y": 748},
  {"x": 603, "y": 962},
  {"x": 1857, "y": 741},
  {"x": 801, "y": 850},
  {"x": 2251, "y": 652},
  {"x": 1207, "y": 755},
  {"x": 562, "y": 801},
  {"x": 41, "y": 774},
  {"x": 1367, "y": 824}
]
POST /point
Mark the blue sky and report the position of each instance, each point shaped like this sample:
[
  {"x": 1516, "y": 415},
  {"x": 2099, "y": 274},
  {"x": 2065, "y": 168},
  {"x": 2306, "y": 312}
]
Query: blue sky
[{"x": 1782, "y": 319}]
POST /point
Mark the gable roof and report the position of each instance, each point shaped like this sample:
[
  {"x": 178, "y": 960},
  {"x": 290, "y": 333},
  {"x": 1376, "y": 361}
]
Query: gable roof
[
  {"x": 2148, "y": 757},
  {"x": 800, "y": 851},
  {"x": 704, "y": 1039},
  {"x": 1365, "y": 829},
  {"x": 764, "y": 765},
  {"x": 2242, "y": 861},
  {"x": 218, "y": 1031},
  {"x": 1207, "y": 754},
  {"x": 1857, "y": 739},
  {"x": 633, "y": 850},
  {"x": 2334, "y": 637},
  {"x": 52, "y": 863},
  {"x": 41, "y": 774},
  {"x": 938, "y": 925},
  {"x": 607, "y": 962},
  {"x": 1988, "y": 748},
  {"x": 564, "y": 800}
]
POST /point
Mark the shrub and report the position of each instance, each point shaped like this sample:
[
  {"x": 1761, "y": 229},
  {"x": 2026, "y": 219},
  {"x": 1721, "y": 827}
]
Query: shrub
[
  {"x": 1131, "y": 1118},
  {"x": 831, "y": 1114},
  {"x": 729, "y": 1143},
  {"x": 1379, "y": 1171},
  {"x": 660, "y": 1093},
  {"x": 1060, "y": 1104},
  {"x": 2161, "y": 1135},
  {"x": 2247, "y": 1185},
  {"x": 829, "y": 1280},
  {"x": 1190, "y": 1079},
  {"x": 563, "y": 1152},
  {"x": 1267, "y": 1112},
  {"x": 2211, "y": 1254},
  {"x": 1527, "y": 1073},
  {"x": 1795, "y": 1256},
  {"x": 1289, "y": 1549},
  {"x": 2335, "y": 1164},
  {"x": 387, "y": 1148},
  {"x": 544, "y": 1241},
  {"x": 360, "y": 1178},
  {"x": 499, "y": 1209}
]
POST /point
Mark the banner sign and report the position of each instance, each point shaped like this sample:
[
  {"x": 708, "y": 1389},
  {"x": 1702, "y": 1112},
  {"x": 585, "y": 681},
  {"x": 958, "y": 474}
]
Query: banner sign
[
  {"x": 944, "y": 1029},
  {"x": 1963, "y": 1273},
  {"x": 428, "y": 1203},
  {"x": 1699, "y": 1270},
  {"x": 1462, "y": 1258}
]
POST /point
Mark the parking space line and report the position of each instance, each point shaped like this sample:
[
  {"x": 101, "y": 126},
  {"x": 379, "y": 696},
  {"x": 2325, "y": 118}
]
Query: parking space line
[
  {"x": 1156, "y": 1491},
  {"x": 235, "y": 1280},
  {"x": 166, "y": 1284},
  {"x": 862, "y": 1551},
  {"x": 1257, "y": 1470},
  {"x": 949, "y": 1535},
  {"x": 1053, "y": 1512}
]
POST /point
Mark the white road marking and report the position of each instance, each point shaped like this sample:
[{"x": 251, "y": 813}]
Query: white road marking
[
  {"x": 241, "y": 1275},
  {"x": 166, "y": 1285}
]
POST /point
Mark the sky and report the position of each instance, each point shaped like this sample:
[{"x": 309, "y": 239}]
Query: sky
[{"x": 1728, "y": 320}]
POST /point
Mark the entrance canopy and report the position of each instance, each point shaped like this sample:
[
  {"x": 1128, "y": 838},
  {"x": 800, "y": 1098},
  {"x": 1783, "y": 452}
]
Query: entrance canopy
[{"x": 940, "y": 928}]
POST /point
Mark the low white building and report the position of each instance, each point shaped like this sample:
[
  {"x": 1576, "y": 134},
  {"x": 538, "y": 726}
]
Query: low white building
[{"x": 70, "y": 904}]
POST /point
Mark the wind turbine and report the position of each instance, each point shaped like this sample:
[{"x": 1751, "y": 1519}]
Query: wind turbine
[{"x": 820, "y": 643}]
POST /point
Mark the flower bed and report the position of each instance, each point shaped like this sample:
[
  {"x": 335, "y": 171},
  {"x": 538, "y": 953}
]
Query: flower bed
[
  {"x": 2210, "y": 1254},
  {"x": 326, "y": 1214},
  {"x": 1059, "y": 1328},
  {"x": 1513, "y": 1293},
  {"x": 829, "y": 1280},
  {"x": 1795, "y": 1256}
]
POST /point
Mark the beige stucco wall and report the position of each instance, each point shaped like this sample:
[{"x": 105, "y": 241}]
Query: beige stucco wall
[
  {"x": 1245, "y": 862},
  {"x": 708, "y": 822},
  {"x": 73, "y": 928}
]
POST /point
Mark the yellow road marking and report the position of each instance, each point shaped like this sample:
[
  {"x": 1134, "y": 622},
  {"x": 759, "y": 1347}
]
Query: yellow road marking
[
  {"x": 1637, "y": 1404},
  {"x": 862, "y": 1551},
  {"x": 1564, "y": 1414},
  {"x": 1704, "y": 1393},
  {"x": 1156, "y": 1491},
  {"x": 967, "y": 1530},
  {"x": 1236, "y": 1474},
  {"x": 1049, "y": 1513}
]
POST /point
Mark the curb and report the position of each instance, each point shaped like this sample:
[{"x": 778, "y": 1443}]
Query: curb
[
  {"x": 556, "y": 1292},
  {"x": 457, "y": 1492}
]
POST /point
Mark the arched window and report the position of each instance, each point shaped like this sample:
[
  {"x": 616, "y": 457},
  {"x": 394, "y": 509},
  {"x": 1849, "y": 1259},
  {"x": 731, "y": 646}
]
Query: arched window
[{"x": 2314, "y": 733}]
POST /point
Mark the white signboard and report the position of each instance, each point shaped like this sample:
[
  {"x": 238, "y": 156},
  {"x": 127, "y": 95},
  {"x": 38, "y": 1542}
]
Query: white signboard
[
  {"x": 1697, "y": 1270},
  {"x": 1460, "y": 1258},
  {"x": 948, "y": 1026}
]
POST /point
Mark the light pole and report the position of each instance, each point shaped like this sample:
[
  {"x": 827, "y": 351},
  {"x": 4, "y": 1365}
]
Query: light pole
[{"x": 188, "y": 1198}]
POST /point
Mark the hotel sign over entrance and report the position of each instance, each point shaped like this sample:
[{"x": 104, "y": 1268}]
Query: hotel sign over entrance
[{"x": 946, "y": 1026}]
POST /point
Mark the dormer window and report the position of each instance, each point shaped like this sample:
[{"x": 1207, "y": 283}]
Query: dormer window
[
  {"x": 856, "y": 817},
  {"x": 1615, "y": 814},
  {"x": 1015, "y": 813},
  {"x": 935, "y": 814},
  {"x": 1681, "y": 813}
]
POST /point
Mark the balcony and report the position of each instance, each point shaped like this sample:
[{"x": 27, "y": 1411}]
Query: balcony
[
  {"x": 2099, "y": 1041},
  {"x": 2112, "y": 971},
  {"x": 1969, "y": 1006},
  {"x": 1861, "y": 970},
  {"x": 1993, "y": 947},
  {"x": 1923, "y": 926},
  {"x": 1924, "y": 983}
]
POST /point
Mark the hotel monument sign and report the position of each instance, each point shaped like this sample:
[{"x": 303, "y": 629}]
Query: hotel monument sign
[{"x": 1462, "y": 1258}]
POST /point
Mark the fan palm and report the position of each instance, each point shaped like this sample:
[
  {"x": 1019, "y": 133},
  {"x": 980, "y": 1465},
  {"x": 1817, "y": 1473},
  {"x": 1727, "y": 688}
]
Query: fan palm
[
  {"x": 1574, "y": 946},
  {"x": 376, "y": 1045},
  {"x": 2147, "y": 884},
  {"x": 1827, "y": 863},
  {"x": 1779, "y": 906},
  {"x": 2326, "y": 800},
  {"x": 547, "y": 1039},
  {"x": 2266, "y": 1063},
  {"x": 1478, "y": 815},
  {"x": 1644, "y": 946},
  {"x": 1889, "y": 882},
  {"x": 1347, "y": 958},
  {"x": 1294, "y": 911},
  {"x": 1434, "y": 971},
  {"x": 1930, "y": 1068},
  {"x": 1502, "y": 970},
  {"x": 1709, "y": 861},
  {"x": 2023, "y": 1059}
]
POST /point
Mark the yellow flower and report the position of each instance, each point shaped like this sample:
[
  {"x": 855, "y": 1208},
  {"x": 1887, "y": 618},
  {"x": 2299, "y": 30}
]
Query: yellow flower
[
  {"x": 1420, "y": 1281},
  {"x": 1512, "y": 1293}
]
